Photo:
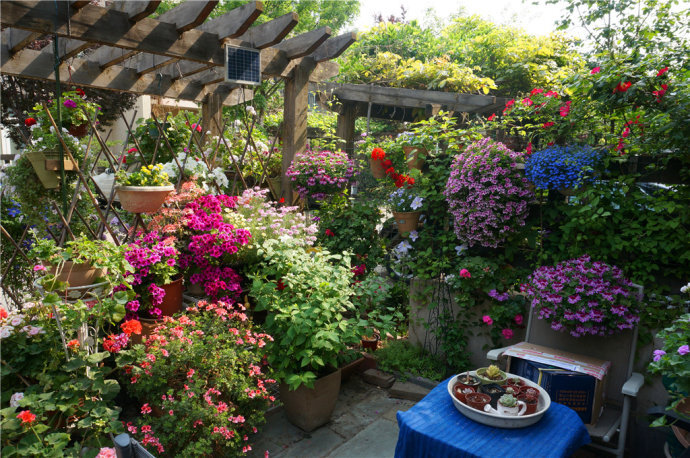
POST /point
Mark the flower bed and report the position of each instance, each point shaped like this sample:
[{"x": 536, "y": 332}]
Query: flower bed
[{"x": 319, "y": 174}]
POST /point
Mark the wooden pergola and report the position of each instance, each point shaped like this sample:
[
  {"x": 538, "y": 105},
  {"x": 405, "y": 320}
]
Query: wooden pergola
[
  {"x": 178, "y": 55},
  {"x": 400, "y": 104}
]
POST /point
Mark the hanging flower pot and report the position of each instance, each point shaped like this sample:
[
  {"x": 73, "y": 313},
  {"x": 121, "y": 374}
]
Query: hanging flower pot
[
  {"x": 78, "y": 131},
  {"x": 406, "y": 221},
  {"x": 143, "y": 199},
  {"x": 412, "y": 155},
  {"x": 76, "y": 275},
  {"x": 377, "y": 169},
  {"x": 172, "y": 301},
  {"x": 52, "y": 162},
  {"x": 48, "y": 178}
]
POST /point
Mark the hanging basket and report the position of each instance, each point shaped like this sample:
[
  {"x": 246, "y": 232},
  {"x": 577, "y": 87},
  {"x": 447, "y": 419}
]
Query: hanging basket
[
  {"x": 406, "y": 222},
  {"x": 52, "y": 162},
  {"x": 377, "y": 169},
  {"x": 412, "y": 154},
  {"x": 79, "y": 131},
  {"x": 48, "y": 178},
  {"x": 143, "y": 199}
]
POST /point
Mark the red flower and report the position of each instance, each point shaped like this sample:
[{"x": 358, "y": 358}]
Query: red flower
[
  {"x": 410, "y": 181},
  {"x": 551, "y": 94},
  {"x": 527, "y": 101},
  {"x": 131, "y": 327},
  {"x": 547, "y": 125},
  {"x": 492, "y": 117},
  {"x": 26, "y": 417},
  {"x": 536, "y": 91},
  {"x": 378, "y": 154},
  {"x": 528, "y": 150},
  {"x": 660, "y": 92},
  {"x": 507, "y": 333},
  {"x": 565, "y": 109},
  {"x": 28, "y": 122},
  {"x": 595, "y": 70},
  {"x": 329, "y": 233},
  {"x": 80, "y": 91},
  {"x": 390, "y": 171},
  {"x": 387, "y": 163},
  {"x": 280, "y": 286},
  {"x": 145, "y": 409},
  {"x": 662, "y": 71},
  {"x": 518, "y": 319},
  {"x": 3, "y": 313},
  {"x": 131, "y": 150},
  {"x": 282, "y": 200},
  {"x": 464, "y": 273},
  {"x": 73, "y": 344},
  {"x": 509, "y": 105},
  {"x": 626, "y": 132},
  {"x": 622, "y": 87}
]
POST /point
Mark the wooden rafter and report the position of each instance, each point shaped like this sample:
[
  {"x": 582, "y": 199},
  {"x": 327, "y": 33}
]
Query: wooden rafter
[
  {"x": 136, "y": 11},
  {"x": 188, "y": 15}
]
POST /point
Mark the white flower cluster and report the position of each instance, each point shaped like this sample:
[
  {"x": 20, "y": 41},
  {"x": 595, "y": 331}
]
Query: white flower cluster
[
  {"x": 195, "y": 166},
  {"x": 685, "y": 289}
]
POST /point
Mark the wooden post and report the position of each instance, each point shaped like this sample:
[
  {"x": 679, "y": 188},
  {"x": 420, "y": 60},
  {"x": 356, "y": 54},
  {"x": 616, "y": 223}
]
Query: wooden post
[
  {"x": 212, "y": 107},
  {"x": 294, "y": 120},
  {"x": 346, "y": 127}
]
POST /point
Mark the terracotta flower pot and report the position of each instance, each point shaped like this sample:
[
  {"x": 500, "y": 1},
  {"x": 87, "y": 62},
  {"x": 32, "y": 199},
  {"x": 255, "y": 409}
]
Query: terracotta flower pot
[
  {"x": 371, "y": 343},
  {"x": 309, "y": 408},
  {"x": 406, "y": 222},
  {"x": 77, "y": 275},
  {"x": 530, "y": 401},
  {"x": 172, "y": 301},
  {"x": 461, "y": 391},
  {"x": 143, "y": 199},
  {"x": 412, "y": 155},
  {"x": 147, "y": 327},
  {"x": 378, "y": 171},
  {"x": 477, "y": 400}
]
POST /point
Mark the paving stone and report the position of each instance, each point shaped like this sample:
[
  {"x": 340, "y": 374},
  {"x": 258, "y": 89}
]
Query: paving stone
[
  {"x": 407, "y": 390},
  {"x": 375, "y": 441},
  {"x": 318, "y": 443},
  {"x": 350, "y": 423},
  {"x": 378, "y": 378},
  {"x": 400, "y": 405},
  {"x": 375, "y": 405}
]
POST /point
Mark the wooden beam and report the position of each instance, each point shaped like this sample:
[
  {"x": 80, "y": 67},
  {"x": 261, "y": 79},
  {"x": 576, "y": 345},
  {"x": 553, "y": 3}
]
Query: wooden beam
[
  {"x": 230, "y": 95},
  {"x": 109, "y": 27},
  {"x": 333, "y": 47},
  {"x": 189, "y": 14},
  {"x": 235, "y": 22},
  {"x": 305, "y": 44},
  {"x": 146, "y": 63},
  {"x": 107, "y": 56},
  {"x": 68, "y": 47},
  {"x": 17, "y": 39},
  {"x": 271, "y": 32},
  {"x": 136, "y": 10}
]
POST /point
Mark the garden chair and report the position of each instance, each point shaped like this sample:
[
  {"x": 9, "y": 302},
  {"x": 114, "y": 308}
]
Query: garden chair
[{"x": 622, "y": 383}]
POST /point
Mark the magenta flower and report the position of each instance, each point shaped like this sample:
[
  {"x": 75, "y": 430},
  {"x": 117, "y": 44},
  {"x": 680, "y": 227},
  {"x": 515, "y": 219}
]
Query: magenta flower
[
  {"x": 464, "y": 273},
  {"x": 659, "y": 353},
  {"x": 518, "y": 319},
  {"x": 39, "y": 267},
  {"x": 683, "y": 350},
  {"x": 487, "y": 319},
  {"x": 595, "y": 70},
  {"x": 507, "y": 333},
  {"x": 69, "y": 103}
]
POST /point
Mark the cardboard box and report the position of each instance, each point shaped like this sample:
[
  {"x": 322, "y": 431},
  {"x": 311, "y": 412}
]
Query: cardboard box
[{"x": 573, "y": 380}]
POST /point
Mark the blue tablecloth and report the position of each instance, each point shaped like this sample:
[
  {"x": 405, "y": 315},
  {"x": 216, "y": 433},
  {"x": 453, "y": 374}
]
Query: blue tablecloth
[{"x": 435, "y": 428}]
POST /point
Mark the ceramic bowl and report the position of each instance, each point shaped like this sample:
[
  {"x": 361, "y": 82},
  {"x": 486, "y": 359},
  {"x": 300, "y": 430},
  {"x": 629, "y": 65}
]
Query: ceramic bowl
[{"x": 499, "y": 421}]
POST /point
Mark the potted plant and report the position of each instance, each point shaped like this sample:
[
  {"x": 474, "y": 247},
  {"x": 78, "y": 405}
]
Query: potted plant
[
  {"x": 563, "y": 168},
  {"x": 202, "y": 383},
  {"x": 530, "y": 401},
  {"x": 369, "y": 297},
  {"x": 509, "y": 406},
  {"x": 468, "y": 380},
  {"x": 405, "y": 204},
  {"x": 416, "y": 146},
  {"x": 486, "y": 194},
  {"x": 143, "y": 191},
  {"x": 584, "y": 297},
  {"x": 491, "y": 374},
  {"x": 73, "y": 104},
  {"x": 318, "y": 174},
  {"x": 155, "y": 277},
  {"x": 78, "y": 263},
  {"x": 317, "y": 320},
  {"x": 477, "y": 400},
  {"x": 378, "y": 163},
  {"x": 43, "y": 151}
]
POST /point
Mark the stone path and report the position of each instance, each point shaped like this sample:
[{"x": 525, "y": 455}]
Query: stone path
[{"x": 363, "y": 425}]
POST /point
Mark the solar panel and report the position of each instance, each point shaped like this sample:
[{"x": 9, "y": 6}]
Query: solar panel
[{"x": 242, "y": 65}]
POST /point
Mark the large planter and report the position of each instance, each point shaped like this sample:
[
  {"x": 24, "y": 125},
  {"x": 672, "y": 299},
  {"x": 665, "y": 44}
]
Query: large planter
[
  {"x": 378, "y": 171},
  {"x": 406, "y": 221},
  {"x": 143, "y": 199},
  {"x": 172, "y": 301},
  {"x": 412, "y": 156},
  {"x": 309, "y": 408},
  {"x": 77, "y": 275}
]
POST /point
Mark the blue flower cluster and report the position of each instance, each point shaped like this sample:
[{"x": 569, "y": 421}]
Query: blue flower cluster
[{"x": 562, "y": 167}]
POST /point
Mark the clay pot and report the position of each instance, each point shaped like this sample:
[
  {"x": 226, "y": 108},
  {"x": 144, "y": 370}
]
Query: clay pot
[
  {"x": 461, "y": 391},
  {"x": 147, "y": 327},
  {"x": 477, "y": 400},
  {"x": 530, "y": 401},
  {"x": 143, "y": 199},
  {"x": 377, "y": 169},
  {"x": 172, "y": 301},
  {"x": 77, "y": 275},
  {"x": 529, "y": 391},
  {"x": 412, "y": 154},
  {"x": 469, "y": 381},
  {"x": 515, "y": 382},
  {"x": 78, "y": 131},
  {"x": 406, "y": 222},
  {"x": 371, "y": 342},
  {"x": 309, "y": 408}
]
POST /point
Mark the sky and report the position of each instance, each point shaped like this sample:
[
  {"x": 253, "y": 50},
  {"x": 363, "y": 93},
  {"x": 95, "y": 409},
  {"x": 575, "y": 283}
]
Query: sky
[{"x": 536, "y": 20}]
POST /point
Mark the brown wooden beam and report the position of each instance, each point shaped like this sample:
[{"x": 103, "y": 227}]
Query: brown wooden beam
[
  {"x": 136, "y": 10},
  {"x": 333, "y": 47},
  {"x": 187, "y": 15},
  {"x": 271, "y": 32},
  {"x": 235, "y": 22},
  {"x": 305, "y": 44},
  {"x": 17, "y": 39}
]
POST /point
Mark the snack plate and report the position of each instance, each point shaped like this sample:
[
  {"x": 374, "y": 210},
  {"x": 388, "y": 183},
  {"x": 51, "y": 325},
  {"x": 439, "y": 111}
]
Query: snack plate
[{"x": 501, "y": 421}]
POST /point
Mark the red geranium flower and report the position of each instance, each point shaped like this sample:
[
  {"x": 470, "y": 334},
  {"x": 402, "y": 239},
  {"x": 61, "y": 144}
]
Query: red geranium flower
[
  {"x": 378, "y": 154},
  {"x": 595, "y": 70},
  {"x": 131, "y": 150},
  {"x": 660, "y": 92},
  {"x": 28, "y": 122},
  {"x": 536, "y": 91},
  {"x": 280, "y": 286},
  {"x": 547, "y": 124},
  {"x": 26, "y": 417},
  {"x": 80, "y": 91},
  {"x": 329, "y": 233},
  {"x": 492, "y": 117},
  {"x": 662, "y": 71},
  {"x": 622, "y": 87},
  {"x": 73, "y": 344},
  {"x": 527, "y": 101},
  {"x": 131, "y": 327}
]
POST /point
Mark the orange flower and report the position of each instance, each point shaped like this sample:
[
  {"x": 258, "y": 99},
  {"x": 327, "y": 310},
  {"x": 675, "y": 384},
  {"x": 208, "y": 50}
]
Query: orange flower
[
  {"x": 26, "y": 417},
  {"x": 73, "y": 344},
  {"x": 378, "y": 154},
  {"x": 131, "y": 327}
]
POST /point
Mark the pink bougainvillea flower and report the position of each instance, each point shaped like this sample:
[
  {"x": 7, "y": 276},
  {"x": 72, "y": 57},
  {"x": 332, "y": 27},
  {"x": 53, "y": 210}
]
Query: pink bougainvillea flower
[
  {"x": 464, "y": 273},
  {"x": 492, "y": 117},
  {"x": 507, "y": 333},
  {"x": 662, "y": 71},
  {"x": 683, "y": 350},
  {"x": 487, "y": 319},
  {"x": 595, "y": 70}
]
